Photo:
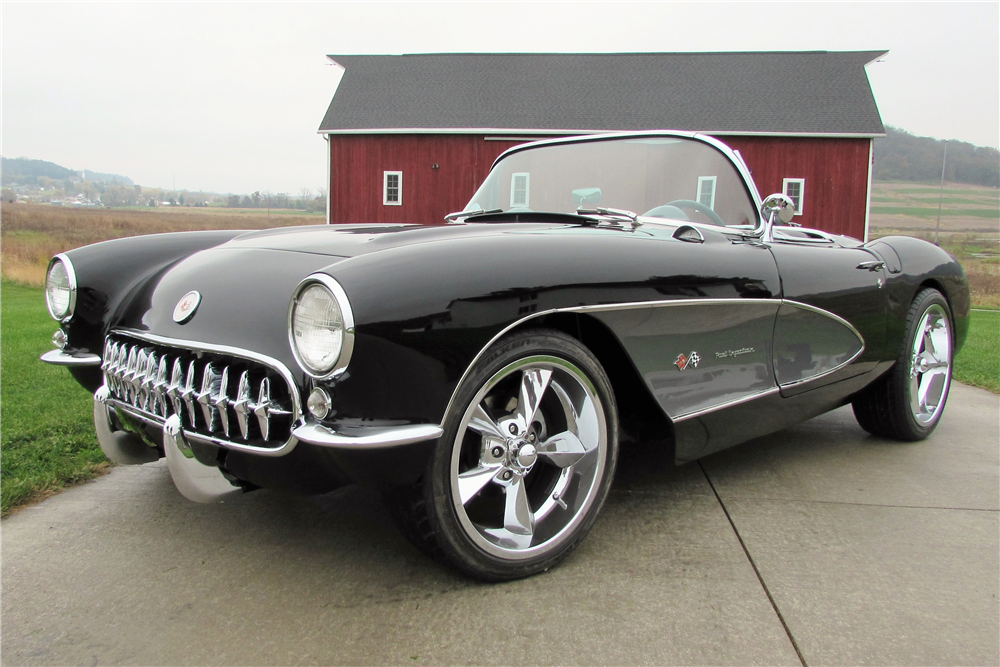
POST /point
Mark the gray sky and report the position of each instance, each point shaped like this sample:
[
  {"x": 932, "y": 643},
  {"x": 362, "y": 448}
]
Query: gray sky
[{"x": 227, "y": 97}]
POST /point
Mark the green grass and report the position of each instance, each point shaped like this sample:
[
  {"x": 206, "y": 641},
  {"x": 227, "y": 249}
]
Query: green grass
[
  {"x": 979, "y": 361},
  {"x": 46, "y": 425},
  {"x": 931, "y": 211}
]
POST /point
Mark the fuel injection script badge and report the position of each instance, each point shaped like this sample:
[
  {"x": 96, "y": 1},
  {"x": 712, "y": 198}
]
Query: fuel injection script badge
[{"x": 690, "y": 360}]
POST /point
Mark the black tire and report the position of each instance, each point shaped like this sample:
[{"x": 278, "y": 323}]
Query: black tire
[
  {"x": 505, "y": 508},
  {"x": 891, "y": 407}
]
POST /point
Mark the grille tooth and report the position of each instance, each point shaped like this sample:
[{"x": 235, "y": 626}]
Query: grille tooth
[
  {"x": 174, "y": 389},
  {"x": 222, "y": 401},
  {"x": 129, "y": 374},
  {"x": 242, "y": 406},
  {"x": 160, "y": 387},
  {"x": 147, "y": 401},
  {"x": 106, "y": 361},
  {"x": 187, "y": 395},
  {"x": 210, "y": 380},
  {"x": 263, "y": 400}
]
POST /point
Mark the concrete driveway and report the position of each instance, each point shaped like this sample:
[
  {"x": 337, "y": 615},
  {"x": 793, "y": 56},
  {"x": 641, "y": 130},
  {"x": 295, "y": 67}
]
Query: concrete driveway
[{"x": 819, "y": 545}]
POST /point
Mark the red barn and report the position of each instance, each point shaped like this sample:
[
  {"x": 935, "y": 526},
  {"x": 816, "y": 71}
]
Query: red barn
[{"x": 410, "y": 137}]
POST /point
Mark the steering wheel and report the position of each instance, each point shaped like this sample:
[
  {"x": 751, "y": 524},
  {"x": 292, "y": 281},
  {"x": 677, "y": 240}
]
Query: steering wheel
[{"x": 700, "y": 208}]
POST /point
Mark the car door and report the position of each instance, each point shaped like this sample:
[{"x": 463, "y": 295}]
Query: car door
[{"x": 831, "y": 323}]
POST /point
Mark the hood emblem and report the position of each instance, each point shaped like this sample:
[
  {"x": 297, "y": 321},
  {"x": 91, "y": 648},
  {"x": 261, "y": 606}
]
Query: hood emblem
[
  {"x": 184, "y": 310},
  {"x": 684, "y": 362}
]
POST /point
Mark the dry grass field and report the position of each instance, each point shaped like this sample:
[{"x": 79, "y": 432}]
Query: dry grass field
[
  {"x": 31, "y": 233},
  {"x": 970, "y": 226}
]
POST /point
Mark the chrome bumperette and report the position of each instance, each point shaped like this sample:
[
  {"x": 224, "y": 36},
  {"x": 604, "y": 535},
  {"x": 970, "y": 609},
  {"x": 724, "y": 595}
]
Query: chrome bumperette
[
  {"x": 393, "y": 436},
  {"x": 61, "y": 358},
  {"x": 201, "y": 392},
  {"x": 195, "y": 480}
]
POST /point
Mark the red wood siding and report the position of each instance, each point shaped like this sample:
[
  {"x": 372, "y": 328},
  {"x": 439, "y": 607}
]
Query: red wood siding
[
  {"x": 835, "y": 173},
  {"x": 357, "y": 163}
]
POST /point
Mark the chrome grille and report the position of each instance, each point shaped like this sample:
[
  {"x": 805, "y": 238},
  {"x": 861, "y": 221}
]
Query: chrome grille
[{"x": 224, "y": 397}]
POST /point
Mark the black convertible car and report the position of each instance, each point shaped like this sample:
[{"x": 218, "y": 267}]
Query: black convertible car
[{"x": 485, "y": 372}]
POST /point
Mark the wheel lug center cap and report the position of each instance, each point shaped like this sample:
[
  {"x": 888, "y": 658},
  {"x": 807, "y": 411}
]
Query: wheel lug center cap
[{"x": 526, "y": 455}]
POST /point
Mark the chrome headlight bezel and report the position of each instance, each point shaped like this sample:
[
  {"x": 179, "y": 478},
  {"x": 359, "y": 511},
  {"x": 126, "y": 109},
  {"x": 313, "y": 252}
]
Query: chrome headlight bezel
[
  {"x": 347, "y": 332},
  {"x": 66, "y": 314}
]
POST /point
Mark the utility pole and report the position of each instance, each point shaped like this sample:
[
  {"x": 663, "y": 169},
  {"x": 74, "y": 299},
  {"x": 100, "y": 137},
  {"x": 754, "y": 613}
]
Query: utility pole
[{"x": 944, "y": 163}]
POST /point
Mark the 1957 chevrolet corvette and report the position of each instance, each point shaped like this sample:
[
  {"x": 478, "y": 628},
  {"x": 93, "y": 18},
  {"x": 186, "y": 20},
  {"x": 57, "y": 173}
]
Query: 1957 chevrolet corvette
[{"x": 483, "y": 373}]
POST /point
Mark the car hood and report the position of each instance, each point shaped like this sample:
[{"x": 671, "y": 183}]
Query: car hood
[{"x": 355, "y": 240}]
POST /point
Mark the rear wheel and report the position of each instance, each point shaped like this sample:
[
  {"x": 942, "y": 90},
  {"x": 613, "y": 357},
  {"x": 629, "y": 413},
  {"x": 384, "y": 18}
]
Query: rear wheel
[
  {"x": 907, "y": 403},
  {"x": 525, "y": 462}
]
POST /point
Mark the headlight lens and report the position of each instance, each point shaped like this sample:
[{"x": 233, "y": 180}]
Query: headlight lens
[
  {"x": 60, "y": 288},
  {"x": 321, "y": 327}
]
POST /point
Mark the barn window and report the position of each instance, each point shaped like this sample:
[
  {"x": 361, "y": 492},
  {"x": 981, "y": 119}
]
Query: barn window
[
  {"x": 706, "y": 191},
  {"x": 794, "y": 189},
  {"x": 392, "y": 188},
  {"x": 519, "y": 186}
]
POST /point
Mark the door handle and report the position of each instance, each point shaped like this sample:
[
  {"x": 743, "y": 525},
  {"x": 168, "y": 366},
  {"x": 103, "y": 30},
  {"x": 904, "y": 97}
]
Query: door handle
[{"x": 873, "y": 265}]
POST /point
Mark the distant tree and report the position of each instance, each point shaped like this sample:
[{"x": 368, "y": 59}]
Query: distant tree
[
  {"x": 234, "y": 201},
  {"x": 255, "y": 198},
  {"x": 152, "y": 201},
  {"x": 9, "y": 195},
  {"x": 180, "y": 199},
  {"x": 246, "y": 202},
  {"x": 138, "y": 189}
]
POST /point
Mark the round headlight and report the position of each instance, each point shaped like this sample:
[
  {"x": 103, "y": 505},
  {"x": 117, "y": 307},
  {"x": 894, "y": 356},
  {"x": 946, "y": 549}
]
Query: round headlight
[
  {"x": 60, "y": 288},
  {"x": 320, "y": 326}
]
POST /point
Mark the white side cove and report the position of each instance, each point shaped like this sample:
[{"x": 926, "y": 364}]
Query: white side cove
[{"x": 868, "y": 196}]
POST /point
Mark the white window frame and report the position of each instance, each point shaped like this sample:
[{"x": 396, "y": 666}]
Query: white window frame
[
  {"x": 385, "y": 188},
  {"x": 706, "y": 179},
  {"x": 527, "y": 189},
  {"x": 802, "y": 192}
]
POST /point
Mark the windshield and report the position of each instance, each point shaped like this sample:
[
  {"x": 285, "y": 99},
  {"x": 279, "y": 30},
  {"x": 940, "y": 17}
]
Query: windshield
[{"x": 666, "y": 177}]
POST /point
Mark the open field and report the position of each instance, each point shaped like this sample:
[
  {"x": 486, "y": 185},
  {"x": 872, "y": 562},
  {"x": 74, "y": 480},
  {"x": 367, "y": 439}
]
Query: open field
[
  {"x": 970, "y": 227},
  {"x": 30, "y": 234}
]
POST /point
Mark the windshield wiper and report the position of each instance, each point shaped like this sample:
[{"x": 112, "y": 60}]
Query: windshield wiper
[
  {"x": 476, "y": 211},
  {"x": 614, "y": 212}
]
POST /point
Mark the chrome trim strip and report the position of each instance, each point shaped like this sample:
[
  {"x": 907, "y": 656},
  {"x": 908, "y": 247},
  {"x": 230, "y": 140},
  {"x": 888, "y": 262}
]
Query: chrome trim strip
[
  {"x": 71, "y": 276},
  {"x": 661, "y": 304},
  {"x": 345, "y": 312},
  {"x": 60, "y": 358},
  {"x": 317, "y": 434},
  {"x": 594, "y": 309},
  {"x": 727, "y": 404}
]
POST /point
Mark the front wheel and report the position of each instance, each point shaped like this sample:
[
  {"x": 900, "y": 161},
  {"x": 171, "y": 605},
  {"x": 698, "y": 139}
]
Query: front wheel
[
  {"x": 525, "y": 462},
  {"x": 907, "y": 403}
]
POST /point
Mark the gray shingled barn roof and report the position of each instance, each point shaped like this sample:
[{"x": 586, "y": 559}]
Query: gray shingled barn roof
[{"x": 815, "y": 92}]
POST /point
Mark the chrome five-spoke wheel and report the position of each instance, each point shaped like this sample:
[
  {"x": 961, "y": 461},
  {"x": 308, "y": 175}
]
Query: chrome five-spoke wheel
[
  {"x": 930, "y": 367},
  {"x": 528, "y": 456},
  {"x": 525, "y": 463},
  {"x": 907, "y": 402}
]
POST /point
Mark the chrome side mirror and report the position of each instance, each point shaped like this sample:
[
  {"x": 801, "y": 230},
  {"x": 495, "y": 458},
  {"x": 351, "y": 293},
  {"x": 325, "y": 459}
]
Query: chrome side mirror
[{"x": 779, "y": 204}]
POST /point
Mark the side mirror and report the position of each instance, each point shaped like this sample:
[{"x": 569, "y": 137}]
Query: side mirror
[{"x": 779, "y": 204}]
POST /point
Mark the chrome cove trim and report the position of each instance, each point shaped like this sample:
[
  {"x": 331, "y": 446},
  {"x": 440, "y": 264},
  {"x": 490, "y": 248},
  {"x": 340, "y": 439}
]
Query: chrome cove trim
[
  {"x": 60, "y": 358},
  {"x": 839, "y": 320},
  {"x": 597, "y": 308},
  {"x": 346, "y": 314},
  {"x": 71, "y": 276},
  {"x": 665, "y": 304},
  {"x": 322, "y": 436},
  {"x": 727, "y": 404},
  {"x": 824, "y": 237}
]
